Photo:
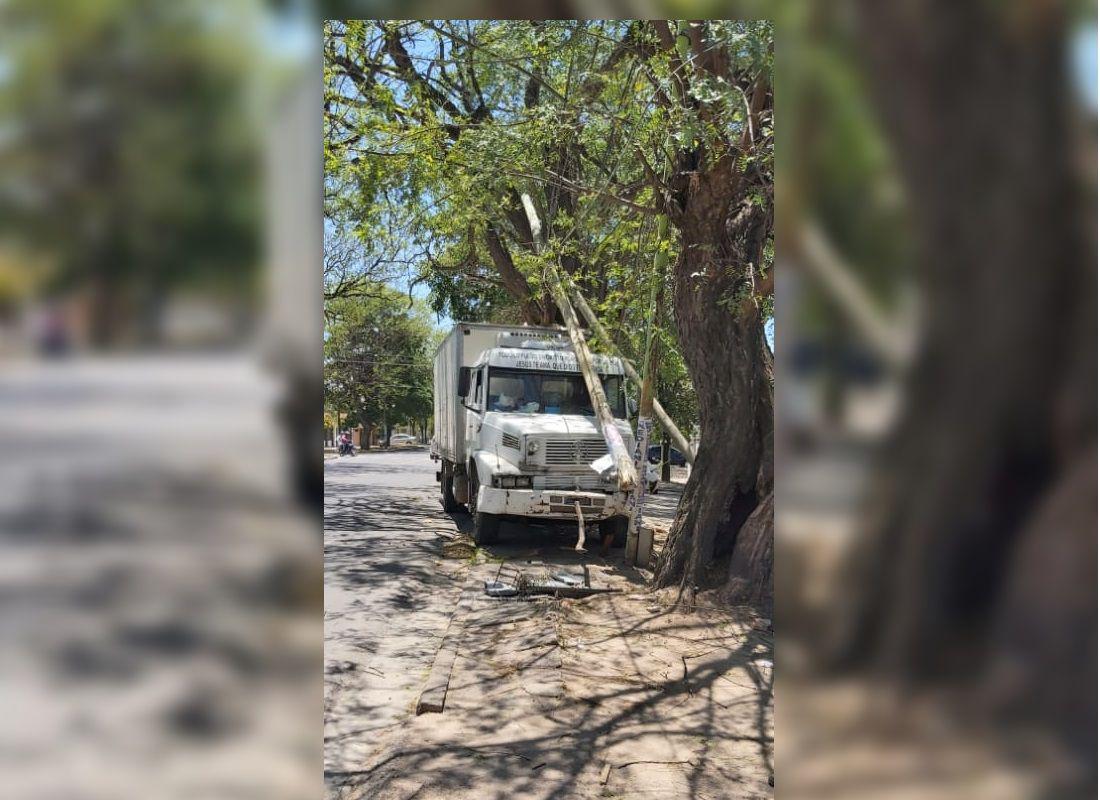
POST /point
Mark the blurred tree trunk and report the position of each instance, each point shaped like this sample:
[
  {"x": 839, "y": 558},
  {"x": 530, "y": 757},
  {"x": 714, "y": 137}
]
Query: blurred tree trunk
[{"x": 1000, "y": 411}]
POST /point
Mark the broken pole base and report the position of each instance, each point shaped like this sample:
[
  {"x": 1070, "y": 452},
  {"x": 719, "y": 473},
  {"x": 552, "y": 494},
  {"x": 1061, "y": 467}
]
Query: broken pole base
[{"x": 630, "y": 554}]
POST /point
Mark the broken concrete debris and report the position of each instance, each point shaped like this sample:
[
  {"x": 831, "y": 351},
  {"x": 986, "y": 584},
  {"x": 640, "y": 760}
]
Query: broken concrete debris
[{"x": 560, "y": 584}]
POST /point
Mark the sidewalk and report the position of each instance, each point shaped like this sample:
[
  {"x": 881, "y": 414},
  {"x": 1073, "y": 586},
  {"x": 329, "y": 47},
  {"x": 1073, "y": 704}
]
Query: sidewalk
[{"x": 614, "y": 695}]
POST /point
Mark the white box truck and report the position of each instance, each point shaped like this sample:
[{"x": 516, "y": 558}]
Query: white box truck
[{"x": 516, "y": 434}]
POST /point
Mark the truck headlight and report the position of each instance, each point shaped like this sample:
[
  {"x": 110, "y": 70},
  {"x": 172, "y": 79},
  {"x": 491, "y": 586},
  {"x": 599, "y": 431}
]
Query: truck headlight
[
  {"x": 512, "y": 481},
  {"x": 532, "y": 446}
]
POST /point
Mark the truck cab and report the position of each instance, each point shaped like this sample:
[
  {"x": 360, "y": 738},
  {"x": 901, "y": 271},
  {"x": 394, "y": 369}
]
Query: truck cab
[{"x": 533, "y": 444}]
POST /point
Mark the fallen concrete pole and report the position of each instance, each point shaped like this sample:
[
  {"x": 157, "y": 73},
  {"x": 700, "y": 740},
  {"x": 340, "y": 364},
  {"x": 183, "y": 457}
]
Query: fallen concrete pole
[
  {"x": 590, "y": 317},
  {"x": 624, "y": 463},
  {"x": 616, "y": 447}
]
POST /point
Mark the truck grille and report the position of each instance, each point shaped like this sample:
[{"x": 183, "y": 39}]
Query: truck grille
[
  {"x": 508, "y": 440},
  {"x": 584, "y": 483},
  {"x": 572, "y": 452}
]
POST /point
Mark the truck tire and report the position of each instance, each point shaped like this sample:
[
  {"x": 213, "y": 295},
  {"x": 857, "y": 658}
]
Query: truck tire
[
  {"x": 447, "y": 488},
  {"x": 486, "y": 526},
  {"x": 617, "y": 526}
]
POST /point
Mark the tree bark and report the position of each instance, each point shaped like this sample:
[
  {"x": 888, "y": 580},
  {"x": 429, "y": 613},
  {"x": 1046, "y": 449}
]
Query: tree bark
[
  {"x": 1000, "y": 399},
  {"x": 720, "y": 326},
  {"x": 752, "y": 563},
  {"x": 731, "y": 369}
]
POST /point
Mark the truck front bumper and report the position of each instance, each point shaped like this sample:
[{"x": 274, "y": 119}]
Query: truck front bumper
[{"x": 550, "y": 503}]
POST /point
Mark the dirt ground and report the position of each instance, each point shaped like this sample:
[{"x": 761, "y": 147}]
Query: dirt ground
[{"x": 614, "y": 695}]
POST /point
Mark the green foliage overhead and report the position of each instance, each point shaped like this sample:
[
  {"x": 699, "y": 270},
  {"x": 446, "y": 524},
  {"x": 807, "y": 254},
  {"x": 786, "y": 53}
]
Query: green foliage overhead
[{"x": 435, "y": 129}]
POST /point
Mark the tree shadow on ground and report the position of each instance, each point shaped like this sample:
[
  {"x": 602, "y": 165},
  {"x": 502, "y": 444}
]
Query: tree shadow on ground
[
  {"x": 386, "y": 607},
  {"x": 711, "y": 702},
  {"x": 584, "y": 729}
]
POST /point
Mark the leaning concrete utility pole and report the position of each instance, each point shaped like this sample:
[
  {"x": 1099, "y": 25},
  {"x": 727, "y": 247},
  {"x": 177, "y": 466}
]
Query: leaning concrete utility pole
[
  {"x": 624, "y": 464},
  {"x": 602, "y": 334},
  {"x": 645, "y": 402}
]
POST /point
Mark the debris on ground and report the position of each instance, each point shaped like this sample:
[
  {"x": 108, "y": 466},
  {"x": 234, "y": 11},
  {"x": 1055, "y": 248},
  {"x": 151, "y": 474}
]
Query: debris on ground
[{"x": 555, "y": 582}]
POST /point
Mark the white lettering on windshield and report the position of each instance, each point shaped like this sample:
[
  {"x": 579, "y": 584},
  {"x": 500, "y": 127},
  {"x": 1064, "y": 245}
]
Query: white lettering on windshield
[{"x": 555, "y": 361}]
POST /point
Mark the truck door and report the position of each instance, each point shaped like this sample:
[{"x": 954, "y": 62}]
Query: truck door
[{"x": 475, "y": 405}]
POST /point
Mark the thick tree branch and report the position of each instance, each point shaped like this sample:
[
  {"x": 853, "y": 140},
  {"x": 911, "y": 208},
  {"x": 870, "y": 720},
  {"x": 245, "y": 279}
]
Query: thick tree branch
[{"x": 514, "y": 281}]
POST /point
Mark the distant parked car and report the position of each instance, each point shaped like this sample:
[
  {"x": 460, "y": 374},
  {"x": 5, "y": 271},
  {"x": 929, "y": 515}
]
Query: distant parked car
[
  {"x": 402, "y": 438},
  {"x": 675, "y": 457}
]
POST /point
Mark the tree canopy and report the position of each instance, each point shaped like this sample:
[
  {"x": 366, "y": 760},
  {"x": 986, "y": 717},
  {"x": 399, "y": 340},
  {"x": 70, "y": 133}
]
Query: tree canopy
[{"x": 377, "y": 356}]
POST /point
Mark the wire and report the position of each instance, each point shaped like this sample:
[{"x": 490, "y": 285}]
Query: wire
[{"x": 379, "y": 362}]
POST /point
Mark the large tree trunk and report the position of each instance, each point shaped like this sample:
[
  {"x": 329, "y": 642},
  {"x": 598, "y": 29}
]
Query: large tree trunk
[
  {"x": 725, "y": 220},
  {"x": 721, "y": 333},
  {"x": 1000, "y": 400}
]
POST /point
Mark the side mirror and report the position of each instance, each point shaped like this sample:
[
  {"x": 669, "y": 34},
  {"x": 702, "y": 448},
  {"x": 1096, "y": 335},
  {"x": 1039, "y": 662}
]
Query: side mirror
[
  {"x": 632, "y": 404},
  {"x": 463, "y": 381}
]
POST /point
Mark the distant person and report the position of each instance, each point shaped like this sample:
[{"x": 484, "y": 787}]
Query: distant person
[{"x": 346, "y": 448}]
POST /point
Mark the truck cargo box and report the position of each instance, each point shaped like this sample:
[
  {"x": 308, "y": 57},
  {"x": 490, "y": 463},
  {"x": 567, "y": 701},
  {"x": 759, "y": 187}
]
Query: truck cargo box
[{"x": 461, "y": 348}]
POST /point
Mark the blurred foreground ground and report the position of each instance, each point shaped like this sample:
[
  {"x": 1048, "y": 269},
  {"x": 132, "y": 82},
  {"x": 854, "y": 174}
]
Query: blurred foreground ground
[{"x": 160, "y": 631}]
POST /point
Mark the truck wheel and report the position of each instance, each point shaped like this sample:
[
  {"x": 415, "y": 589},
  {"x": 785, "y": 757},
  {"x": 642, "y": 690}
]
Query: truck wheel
[
  {"x": 447, "y": 488},
  {"x": 486, "y": 526},
  {"x": 618, "y": 527}
]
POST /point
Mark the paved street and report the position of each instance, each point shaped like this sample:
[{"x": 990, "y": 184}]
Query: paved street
[{"x": 388, "y": 596}]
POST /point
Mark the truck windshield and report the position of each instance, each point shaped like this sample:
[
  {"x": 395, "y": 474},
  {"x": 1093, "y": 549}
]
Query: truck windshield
[{"x": 526, "y": 392}]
